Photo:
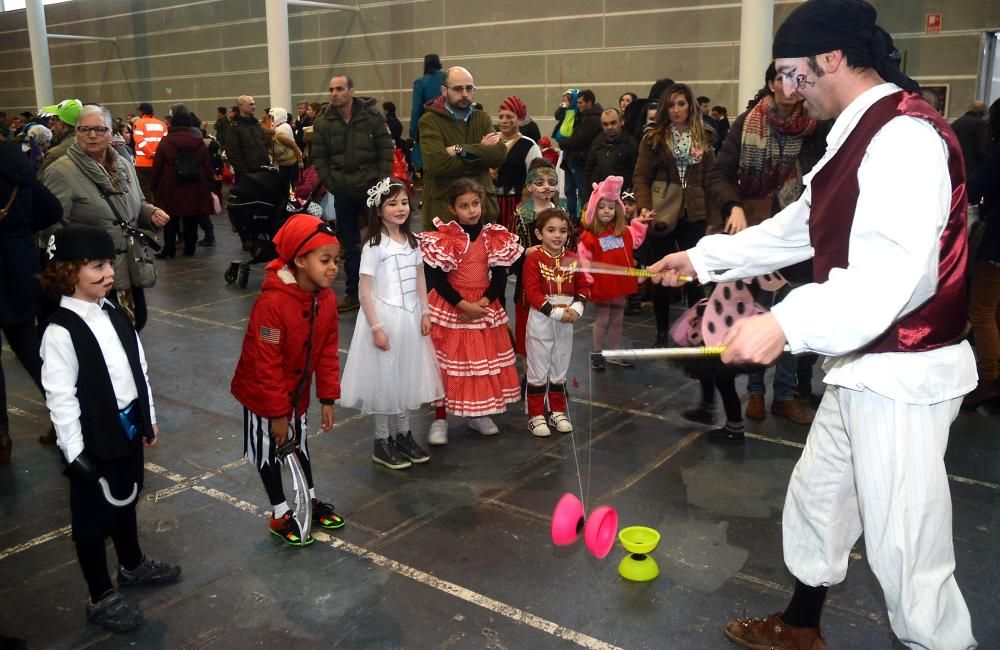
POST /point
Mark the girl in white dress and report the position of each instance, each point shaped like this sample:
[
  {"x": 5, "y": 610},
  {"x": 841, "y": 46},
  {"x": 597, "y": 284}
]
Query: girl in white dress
[{"x": 391, "y": 367}]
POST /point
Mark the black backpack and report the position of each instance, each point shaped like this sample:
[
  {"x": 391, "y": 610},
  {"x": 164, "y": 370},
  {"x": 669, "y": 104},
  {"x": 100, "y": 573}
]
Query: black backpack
[{"x": 186, "y": 168}]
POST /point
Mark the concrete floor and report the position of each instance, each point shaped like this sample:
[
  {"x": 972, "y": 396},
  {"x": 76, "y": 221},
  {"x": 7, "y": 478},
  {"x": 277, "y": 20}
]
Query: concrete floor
[{"x": 456, "y": 553}]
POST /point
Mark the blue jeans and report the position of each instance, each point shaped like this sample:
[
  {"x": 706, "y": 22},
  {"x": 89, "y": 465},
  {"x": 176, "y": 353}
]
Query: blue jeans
[
  {"x": 574, "y": 177},
  {"x": 785, "y": 370},
  {"x": 349, "y": 234}
]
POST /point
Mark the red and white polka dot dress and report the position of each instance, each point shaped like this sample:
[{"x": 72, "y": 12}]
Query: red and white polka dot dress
[{"x": 476, "y": 357}]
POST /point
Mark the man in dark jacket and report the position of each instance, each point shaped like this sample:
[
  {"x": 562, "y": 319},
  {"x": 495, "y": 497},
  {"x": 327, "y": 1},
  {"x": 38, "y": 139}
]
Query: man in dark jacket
[
  {"x": 221, "y": 123},
  {"x": 974, "y": 135},
  {"x": 245, "y": 144},
  {"x": 586, "y": 128},
  {"x": 613, "y": 153},
  {"x": 352, "y": 150}
]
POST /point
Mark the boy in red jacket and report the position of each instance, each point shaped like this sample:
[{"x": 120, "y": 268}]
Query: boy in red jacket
[{"x": 292, "y": 334}]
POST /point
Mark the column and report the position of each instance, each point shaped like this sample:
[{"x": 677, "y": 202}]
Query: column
[
  {"x": 756, "y": 34},
  {"x": 278, "y": 61},
  {"x": 38, "y": 39}
]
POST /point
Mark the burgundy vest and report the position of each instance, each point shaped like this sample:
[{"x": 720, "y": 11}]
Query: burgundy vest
[{"x": 942, "y": 319}]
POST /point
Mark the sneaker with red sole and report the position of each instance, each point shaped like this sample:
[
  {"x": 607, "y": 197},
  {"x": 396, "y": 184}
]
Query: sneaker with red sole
[{"x": 288, "y": 530}]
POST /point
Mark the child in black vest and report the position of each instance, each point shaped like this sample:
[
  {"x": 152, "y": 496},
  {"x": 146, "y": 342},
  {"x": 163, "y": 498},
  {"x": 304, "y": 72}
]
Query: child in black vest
[{"x": 94, "y": 374}]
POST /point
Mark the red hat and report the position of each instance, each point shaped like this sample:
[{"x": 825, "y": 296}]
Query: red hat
[
  {"x": 301, "y": 234},
  {"x": 515, "y": 106}
]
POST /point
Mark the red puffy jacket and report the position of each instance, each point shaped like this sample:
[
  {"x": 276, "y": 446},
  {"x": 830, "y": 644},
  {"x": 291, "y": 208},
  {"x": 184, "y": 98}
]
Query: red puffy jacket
[{"x": 274, "y": 348}]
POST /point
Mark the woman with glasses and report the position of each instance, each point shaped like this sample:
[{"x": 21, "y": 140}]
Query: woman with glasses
[{"x": 98, "y": 187}]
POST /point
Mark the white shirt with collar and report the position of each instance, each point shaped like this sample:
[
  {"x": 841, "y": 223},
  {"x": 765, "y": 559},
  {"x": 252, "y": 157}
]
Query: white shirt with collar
[
  {"x": 902, "y": 210},
  {"x": 60, "y": 369}
]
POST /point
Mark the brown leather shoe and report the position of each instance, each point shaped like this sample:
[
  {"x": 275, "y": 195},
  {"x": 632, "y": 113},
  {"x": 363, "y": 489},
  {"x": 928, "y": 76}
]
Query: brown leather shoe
[
  {"x": 755, "y": 407},
  {"x": 48, "y": 438},
  {"x": 772, "y": 633},
  {"x": 793, "y": 410}
]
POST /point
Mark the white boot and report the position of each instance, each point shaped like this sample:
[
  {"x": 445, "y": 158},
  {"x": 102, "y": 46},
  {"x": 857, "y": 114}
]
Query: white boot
[
  {"x": 438, "y": 433},
  {"x": 483, "y": 425}
]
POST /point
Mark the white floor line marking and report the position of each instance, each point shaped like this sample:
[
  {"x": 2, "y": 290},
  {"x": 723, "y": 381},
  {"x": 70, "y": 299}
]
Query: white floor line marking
[
  {"x": 762, "y": 438},
  {"x": 515, "y": 614},
  {"x": 181, "y": 483},
  {"x": 164, "y": 472},
  {"x": 41, "y": 539}
]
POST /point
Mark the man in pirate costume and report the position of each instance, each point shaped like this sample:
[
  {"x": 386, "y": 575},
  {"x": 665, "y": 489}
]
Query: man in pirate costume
[
  {"x": 885, "y": 212},
  {"x": 98, "y": 394}
]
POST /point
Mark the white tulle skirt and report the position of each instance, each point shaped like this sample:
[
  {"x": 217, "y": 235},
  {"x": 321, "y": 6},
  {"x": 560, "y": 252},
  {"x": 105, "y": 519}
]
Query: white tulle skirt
[{"x": 394, "y": 381}]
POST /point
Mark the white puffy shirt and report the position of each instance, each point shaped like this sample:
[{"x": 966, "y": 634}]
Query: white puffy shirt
[
  {"x": 60, "y": 369},
  {"x": 902, "y": 209}
]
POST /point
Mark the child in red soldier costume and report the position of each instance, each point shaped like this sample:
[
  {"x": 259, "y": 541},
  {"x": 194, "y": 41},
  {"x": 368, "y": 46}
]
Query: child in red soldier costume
[
  {"x": 293, "y": 329},
  {"x": 609, "y": 238},
  {"x": 465, "y": 264},
  {"x": 556, "y": 291}
]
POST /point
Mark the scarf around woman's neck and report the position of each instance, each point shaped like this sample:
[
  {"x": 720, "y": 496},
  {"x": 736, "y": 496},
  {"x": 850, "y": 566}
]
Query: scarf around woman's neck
[
  {"x": 770, "y": 149},
  {"x": 110, "y": 178},
  {"x": 684, "y": 151}
]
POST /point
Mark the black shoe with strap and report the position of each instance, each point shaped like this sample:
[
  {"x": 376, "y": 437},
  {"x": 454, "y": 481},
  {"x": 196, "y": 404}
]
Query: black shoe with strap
[
  {"x": 149, "y": 572},
  {"x": 112, "y": 612}
]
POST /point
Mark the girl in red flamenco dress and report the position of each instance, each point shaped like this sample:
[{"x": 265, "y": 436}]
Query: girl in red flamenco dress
[{"x": 466, "y": 267}]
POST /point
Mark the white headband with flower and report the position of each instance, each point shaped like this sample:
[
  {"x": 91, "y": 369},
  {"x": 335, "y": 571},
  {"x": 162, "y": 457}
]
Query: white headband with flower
[
  {"x": 51, "y": 247},
  {"x": 376, "y": 193}
]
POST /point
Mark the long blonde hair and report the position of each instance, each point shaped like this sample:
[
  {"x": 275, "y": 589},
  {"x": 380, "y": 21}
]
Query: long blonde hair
[{"x": 659, "y": 132}]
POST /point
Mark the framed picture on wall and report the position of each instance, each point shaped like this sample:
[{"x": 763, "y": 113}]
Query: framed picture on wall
[{"x": 937, "y": 96}]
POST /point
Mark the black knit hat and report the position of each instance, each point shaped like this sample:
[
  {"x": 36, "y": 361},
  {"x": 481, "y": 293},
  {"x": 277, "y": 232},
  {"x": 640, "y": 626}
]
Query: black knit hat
[{"x": 78, "y": 243}]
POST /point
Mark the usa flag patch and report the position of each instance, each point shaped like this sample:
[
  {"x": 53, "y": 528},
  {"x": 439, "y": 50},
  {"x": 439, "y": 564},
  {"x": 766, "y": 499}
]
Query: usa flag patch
[{"x": 270, "y": 335}]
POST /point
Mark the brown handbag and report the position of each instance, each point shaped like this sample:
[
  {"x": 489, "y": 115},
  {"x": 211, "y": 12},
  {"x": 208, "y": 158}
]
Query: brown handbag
[{"x": 667, "y": 201}]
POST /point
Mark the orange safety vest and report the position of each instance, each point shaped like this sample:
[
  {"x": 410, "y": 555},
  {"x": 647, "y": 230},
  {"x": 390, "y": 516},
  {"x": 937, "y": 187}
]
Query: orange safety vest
[{"x": 147, "y": 133}]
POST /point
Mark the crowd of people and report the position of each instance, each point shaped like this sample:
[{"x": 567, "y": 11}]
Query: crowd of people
[{"x": 785, "y": 251}]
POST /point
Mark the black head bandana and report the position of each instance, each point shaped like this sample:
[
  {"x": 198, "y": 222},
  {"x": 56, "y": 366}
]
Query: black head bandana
[{"x": 820, "y": 26}]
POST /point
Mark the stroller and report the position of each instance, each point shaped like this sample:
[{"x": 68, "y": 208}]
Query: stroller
[{"x": 258, "y": 205}]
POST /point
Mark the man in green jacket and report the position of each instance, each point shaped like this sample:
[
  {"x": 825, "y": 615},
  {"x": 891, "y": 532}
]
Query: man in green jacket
[
  {"x": 457, "y": 141},
  {"x": 352, "y": 150}
]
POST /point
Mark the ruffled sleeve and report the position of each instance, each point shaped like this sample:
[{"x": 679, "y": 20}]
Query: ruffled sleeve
[
  {"x": 502, "y": 247},
  {"x": 444, "y": 248}
]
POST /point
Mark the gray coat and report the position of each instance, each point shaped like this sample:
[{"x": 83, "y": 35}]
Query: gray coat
[{"x": 74, "y": 179}]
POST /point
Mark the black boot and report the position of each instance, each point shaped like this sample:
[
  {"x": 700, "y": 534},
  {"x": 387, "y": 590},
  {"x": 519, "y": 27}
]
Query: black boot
[{"x": 6, "y": 444}]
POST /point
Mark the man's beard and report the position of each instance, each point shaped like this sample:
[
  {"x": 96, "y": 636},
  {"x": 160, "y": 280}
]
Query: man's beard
[{"x": 461, "y": 105}]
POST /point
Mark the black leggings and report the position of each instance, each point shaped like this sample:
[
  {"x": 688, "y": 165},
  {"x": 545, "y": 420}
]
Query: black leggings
[
  {"x": 93, "y": 556},
  {"x": 270, "y": 474},
  {"x": 683, "y": 237},
  {"x": 726, "y": 384},
  {"x": 23, "y": 340}
]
